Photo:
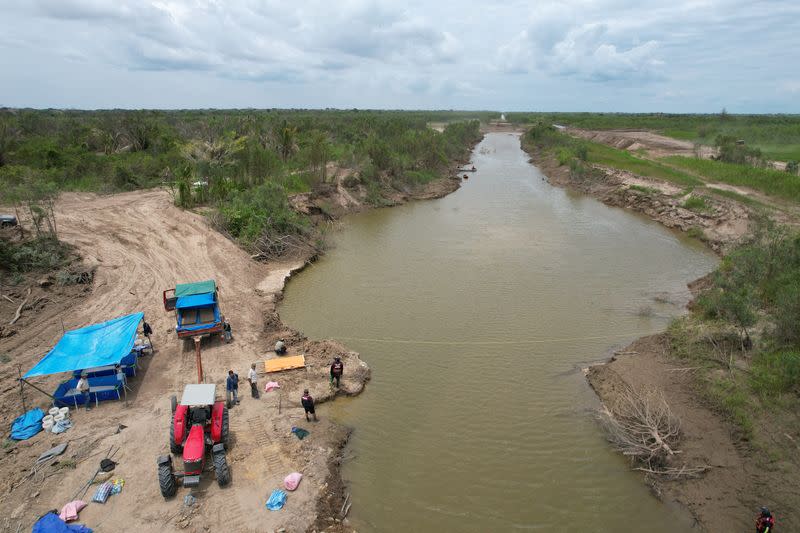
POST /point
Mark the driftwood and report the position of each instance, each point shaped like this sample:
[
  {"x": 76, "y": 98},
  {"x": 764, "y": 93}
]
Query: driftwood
[
  {"x": 642, "y": 427},
  {"x": 19, "y": 309},
  {"x": 7, "y": 298}
]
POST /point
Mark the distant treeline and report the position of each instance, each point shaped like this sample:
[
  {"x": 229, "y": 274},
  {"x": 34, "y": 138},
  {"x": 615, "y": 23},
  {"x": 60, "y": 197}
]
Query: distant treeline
[{"x": 241, "y": 162}]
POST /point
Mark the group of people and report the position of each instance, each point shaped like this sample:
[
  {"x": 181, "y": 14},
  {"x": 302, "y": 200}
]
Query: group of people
[{"x": 307, "y": 401}]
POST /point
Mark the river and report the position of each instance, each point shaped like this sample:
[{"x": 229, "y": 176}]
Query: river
[{"x": 476, "y": 313}]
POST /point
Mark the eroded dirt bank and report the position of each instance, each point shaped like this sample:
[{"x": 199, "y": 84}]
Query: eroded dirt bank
[{"x": 139, "y": 244}]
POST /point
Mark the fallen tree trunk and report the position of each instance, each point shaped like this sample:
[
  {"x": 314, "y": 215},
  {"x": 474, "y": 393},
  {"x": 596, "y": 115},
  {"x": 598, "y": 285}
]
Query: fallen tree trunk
[{"x": 19, "y": 309}]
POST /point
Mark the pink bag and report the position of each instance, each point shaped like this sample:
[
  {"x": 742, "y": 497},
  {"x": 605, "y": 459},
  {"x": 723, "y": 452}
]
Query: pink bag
[
  {"x": 70, "y": 511},
  {"x": 271, "y": 385},
  {"x": 292, "y": 480}
]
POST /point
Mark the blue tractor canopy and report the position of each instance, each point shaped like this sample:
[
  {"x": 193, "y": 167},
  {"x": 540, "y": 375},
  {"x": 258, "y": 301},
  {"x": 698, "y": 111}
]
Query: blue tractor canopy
[{"x": 196, "y": 307}]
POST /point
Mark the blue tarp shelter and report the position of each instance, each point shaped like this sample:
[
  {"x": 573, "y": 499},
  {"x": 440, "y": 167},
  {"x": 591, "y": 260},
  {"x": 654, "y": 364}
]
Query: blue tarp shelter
[{"x": 93, "y": 346}]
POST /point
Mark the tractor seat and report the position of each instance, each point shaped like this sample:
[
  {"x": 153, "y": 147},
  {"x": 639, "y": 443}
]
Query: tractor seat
[{"x": 200, "y": 415}]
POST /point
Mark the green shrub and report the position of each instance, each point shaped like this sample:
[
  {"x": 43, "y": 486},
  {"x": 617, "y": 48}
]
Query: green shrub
[
  {"x": 775, "y": 373},
  {"x": 643, "y": 189},
  {"x": 261, "y": 211},
  {"x": 696, "y": 203},
  {"x": 42, "y": 254}
]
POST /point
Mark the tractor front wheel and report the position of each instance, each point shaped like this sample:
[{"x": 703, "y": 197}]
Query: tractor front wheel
[
  {"x": 225, "y": 427},
  {"x": 173, "y": 403},
  {"x": 166, "y": 480},
  {"x": 221, "y": 469}
]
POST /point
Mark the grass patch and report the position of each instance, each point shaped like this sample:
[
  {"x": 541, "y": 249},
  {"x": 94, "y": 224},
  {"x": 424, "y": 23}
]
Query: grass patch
[
  {"x": 696, "y": 203},
  {"x": 733, "y": 195},
  {"x": 731, "y": 397},
  {"x": 768, "y": 181},
  {"x": 696, "y": 232},
  {"x": 780, "y": 152},
  {"x": 612, "y": 157},
  {"x": 775, "y": 373},
  {"x": 643, "y": 189}
]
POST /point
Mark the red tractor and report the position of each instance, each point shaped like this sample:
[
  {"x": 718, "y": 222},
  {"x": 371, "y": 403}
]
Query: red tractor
[{"x": 199, "y": 425}]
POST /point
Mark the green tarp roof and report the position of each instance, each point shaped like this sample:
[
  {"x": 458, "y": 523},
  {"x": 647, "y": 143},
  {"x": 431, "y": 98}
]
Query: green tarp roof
[{"x": 198, "y": 287}]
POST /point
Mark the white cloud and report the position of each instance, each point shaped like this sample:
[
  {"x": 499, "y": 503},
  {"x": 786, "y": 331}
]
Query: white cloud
[{"x": 575, "y": 54}]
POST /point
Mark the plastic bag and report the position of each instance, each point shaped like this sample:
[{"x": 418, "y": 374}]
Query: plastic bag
[
  {"x": 276, "y": 500},
  {"x": 102, "y": 493},
  {"x": 292, "y": 480}
]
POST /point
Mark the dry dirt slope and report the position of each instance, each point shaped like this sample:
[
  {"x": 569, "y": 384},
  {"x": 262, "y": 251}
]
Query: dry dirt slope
[{"x": 141, "y": 245}]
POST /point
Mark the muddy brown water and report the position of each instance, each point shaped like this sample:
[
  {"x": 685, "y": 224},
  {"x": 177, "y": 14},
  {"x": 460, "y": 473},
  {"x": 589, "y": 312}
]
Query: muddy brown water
[{"x": 476, "y": 313}]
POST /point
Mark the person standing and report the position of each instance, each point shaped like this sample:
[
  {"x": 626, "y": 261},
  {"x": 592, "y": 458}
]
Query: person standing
[
  {"x": 83, "y": 388},
  {"x": 337, "y": 369},
  {"x": 280, "y": 347},
  {"x": 232, "y": 388},
  {"x": 308, "y": 405},
  {"x": 147, "y": 330},
  {"x": 226, "y": 330},
  {"x": 252, "y": 377},
  {"x": 765, "y": 523}
]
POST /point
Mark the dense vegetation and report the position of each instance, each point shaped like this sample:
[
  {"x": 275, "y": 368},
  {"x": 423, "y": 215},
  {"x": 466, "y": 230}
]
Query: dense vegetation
[
  {"x": 743, "y": 330},
  {"x": 242, "y": 163},
  {"x": 777, "y": 136}
]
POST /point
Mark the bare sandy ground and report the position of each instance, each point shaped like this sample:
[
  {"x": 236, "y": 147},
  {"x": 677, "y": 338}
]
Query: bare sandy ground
[
  {"x": 141, "y": 244},
  {"x": 654, "y": 144}
]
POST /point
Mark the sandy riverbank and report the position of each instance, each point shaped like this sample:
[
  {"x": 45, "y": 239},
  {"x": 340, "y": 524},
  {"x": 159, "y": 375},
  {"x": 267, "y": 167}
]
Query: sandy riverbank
[{"x": 138, "y": 244}]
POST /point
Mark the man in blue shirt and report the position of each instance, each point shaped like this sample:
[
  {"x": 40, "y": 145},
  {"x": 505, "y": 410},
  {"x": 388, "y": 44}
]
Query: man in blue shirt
[{"x": 232, "y": 388}]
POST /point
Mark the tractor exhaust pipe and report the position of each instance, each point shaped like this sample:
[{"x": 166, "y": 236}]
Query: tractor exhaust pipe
[{"x": 199, "y": 359}]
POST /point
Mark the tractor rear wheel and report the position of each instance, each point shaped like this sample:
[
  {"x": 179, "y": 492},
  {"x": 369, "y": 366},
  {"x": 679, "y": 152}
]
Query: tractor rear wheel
[
  {"x": 166, "y": 480},
  {"x": 221, "y": 469},
  {"x": 173, "y": 446},
  {"x": 225, "y": 427}
]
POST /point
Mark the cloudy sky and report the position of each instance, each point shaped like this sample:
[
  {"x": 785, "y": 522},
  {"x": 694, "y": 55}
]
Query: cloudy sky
[{"x": 592, "y": 55}]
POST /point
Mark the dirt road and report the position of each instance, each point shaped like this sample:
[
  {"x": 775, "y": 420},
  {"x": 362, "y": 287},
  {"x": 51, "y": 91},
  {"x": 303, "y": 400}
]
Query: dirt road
[
  {"x": 141, "y": 244},
  {"x": 633, "y": 140}
]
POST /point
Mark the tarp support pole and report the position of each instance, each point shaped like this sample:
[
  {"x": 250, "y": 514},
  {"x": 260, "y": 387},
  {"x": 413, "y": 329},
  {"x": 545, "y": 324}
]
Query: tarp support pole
[
  {"x": 21, "y": 390},
  {"x": 37, "y": 388},
  {"x": 199, "y": 359}
]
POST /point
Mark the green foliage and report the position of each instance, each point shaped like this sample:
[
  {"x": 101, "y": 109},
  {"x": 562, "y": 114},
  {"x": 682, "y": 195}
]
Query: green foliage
[
  {"x": 263, "y": 210},
  {"x": 643, "y": 189},
  {"x": 42, "y": 254},
  {"x": 732, "y": 150},
  {"x": 792, "y": 167},
  {"x": 696, "y": 203},
  {"x": 769, "y": 181},
  {"x": 732, "y": 398},
  {"x": 696, "y": 233},
  {"x": 777, "y": 136},
  {"x": 774, "y": 373},
  {"x": 624, "y": 160}
]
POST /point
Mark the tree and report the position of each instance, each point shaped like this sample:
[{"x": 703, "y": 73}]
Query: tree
[
  {"x": 320, "y": 153},
  {"x": 8, "y": 135},
  {"x": 287, "y": 143}
]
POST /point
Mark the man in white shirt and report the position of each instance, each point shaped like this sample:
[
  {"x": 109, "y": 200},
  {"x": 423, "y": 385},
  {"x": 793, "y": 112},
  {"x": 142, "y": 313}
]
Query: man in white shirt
[
  {"x": 83, "y": 388},
  {"x": 252, "y": 377}
]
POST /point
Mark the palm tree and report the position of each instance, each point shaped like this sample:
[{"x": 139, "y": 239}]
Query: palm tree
[{"x": 287, "y": 144}]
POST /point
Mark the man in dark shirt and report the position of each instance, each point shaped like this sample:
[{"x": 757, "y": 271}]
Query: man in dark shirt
[
  {"x": 232, "y": 388},
  {"x": 308, "y": 405},
  {"x": 337, "y": 369}
]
